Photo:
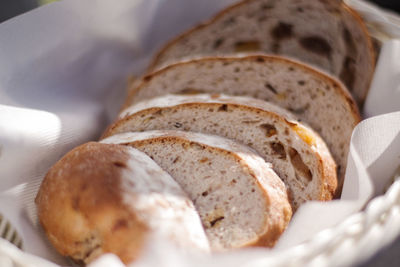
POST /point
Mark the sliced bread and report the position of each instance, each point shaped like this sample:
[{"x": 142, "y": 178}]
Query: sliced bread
[
  {"x": 240, "y": 199},
  {"x": 298, "y": 155},
  {"x": 313, "y": 96},
  {"x": 324, "y": 33},
  {"x": 102, "y": 198}
]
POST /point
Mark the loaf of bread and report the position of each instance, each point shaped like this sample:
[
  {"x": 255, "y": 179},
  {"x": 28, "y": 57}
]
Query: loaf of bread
[
  {"x": 208, "y": 171},
  {"x": 240, "y": 199},
  {"x": 313, "y": 96},
  {"x": 298, "y": 155},
  {"x": 103, "y": 198},
  {"x": 324, "y": 33}
]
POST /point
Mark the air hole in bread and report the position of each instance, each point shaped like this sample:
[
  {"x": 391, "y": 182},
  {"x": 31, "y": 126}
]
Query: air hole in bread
[
  {"x": 229, "y": 21},
  {"x": 223, "y": 107},
  {"x": 203, "y": 160},
  {"x": 269, "y": 129},
  {"x": 317, "y": 45},
  {"x": 175, "y": 160},
  {"x": 216, "y": 220},
  {"x": 250, "y": 121},
  {"x": 218, "y": 43},
  {"x": 282, "y": 31},
  {"x": 177, "y": 125},
  {"x": 270, "y": 87},
  {"x": 299, "y": 165},
  {"x": 247, "y": 46},
  {"x": 260, "y": 59},
  {"x": 267, "y": 6},
  {"x": 278, "y": 149},
  {"x": 190, "y": 91},
  {"x": 301, "y": 82}
]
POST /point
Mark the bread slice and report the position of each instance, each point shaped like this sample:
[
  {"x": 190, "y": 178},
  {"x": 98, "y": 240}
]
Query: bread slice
[
  {"x": 298, "y": 155},
  {"x": 324, "y": 33},
  {"x": 102, "y": 198},
  {"x": 240, "y": 199},
  {"x": 313, "y": 96}
]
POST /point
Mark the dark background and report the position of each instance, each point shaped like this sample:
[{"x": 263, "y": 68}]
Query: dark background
[
  {"x": 388, "y": 257},
  {"x": 11, "y": 8}
]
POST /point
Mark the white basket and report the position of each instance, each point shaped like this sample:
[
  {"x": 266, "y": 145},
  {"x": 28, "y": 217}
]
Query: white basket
[{"x": 354, "y": 240}]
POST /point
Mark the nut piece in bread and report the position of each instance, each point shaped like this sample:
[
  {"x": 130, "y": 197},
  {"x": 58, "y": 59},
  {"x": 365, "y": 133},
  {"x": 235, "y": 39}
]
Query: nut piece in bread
[{"x": 103, "y": 198}]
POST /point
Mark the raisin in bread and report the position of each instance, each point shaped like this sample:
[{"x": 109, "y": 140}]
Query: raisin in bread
[
  {"x": 298, "y": 155},
  {"x": 240, "y": 199},
  {"x": 313, "y": 96},
  {"x": 324, "y": 33},
  {"x": 103, "y": 198}
]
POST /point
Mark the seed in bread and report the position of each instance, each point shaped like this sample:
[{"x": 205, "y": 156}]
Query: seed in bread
[
  {"x": 102, "y": 198},
  {"x": 298, "y": 155},
  {"x": 240, "y": 199}
]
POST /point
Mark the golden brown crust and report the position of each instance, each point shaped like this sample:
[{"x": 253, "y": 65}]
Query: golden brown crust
[{"x": 80, "y": 207}]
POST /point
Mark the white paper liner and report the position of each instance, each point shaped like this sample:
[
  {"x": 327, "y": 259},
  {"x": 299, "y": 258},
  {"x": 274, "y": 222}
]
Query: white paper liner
[{"x": 63, "y": 73}]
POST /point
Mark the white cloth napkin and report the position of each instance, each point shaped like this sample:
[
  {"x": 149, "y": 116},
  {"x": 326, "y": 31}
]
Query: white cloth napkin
[{"x": 63, "y": 74}]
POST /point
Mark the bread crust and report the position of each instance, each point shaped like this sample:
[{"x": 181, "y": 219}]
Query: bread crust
[
  {"x": 73, "y": 232},
  {"x": 88, "y": 205}
]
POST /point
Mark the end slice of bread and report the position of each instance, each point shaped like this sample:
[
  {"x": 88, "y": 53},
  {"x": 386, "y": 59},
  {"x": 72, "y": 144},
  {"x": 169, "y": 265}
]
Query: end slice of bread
[
  {"x": 104, "y": 198},
  {"x": 298, "y": 155},
  {"x": 240, "y": 199}
]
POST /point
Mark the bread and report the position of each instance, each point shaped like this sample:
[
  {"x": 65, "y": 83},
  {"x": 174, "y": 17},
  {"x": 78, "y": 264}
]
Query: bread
[
  {"x": 313, "y": 96},
  {"x": 240, "y": 199},
  {"x": 103, "y": 198},
  {"x": 298, "y": 155},
  {"x": 324, "y": 33}
]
